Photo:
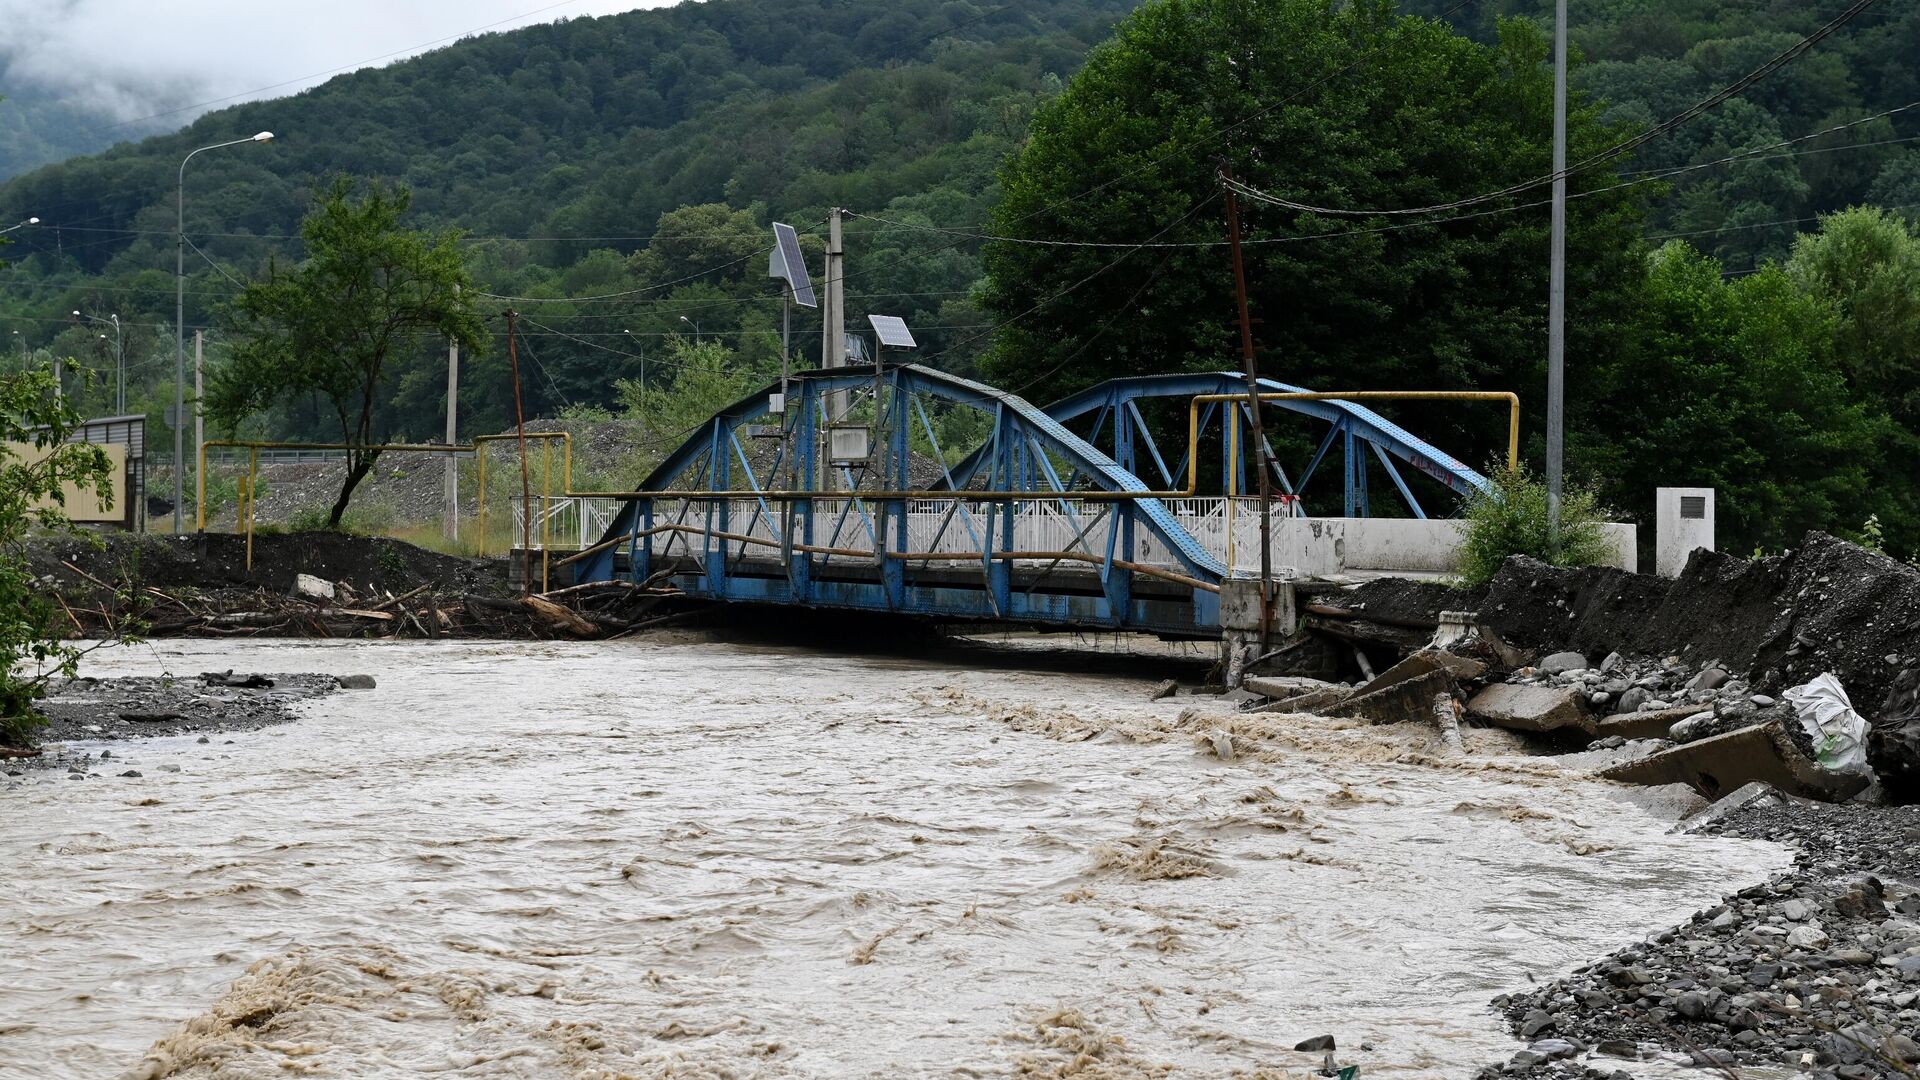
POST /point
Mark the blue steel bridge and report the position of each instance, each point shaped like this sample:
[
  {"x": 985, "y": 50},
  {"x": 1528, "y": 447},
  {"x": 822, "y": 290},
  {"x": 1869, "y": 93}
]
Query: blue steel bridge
[{"x": 1071, "y": 515}]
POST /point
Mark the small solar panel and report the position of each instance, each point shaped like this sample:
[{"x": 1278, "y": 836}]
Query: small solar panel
[
  {"x": 892, "y": 331},
  {"x": 789, "y": 265}
]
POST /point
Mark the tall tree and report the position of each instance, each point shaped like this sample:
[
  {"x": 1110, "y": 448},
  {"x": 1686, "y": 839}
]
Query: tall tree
[
  {"x": 369, "y": 290},
  {"x": 1734, "y": 384},
  {"x": 1343, "y": 105}
]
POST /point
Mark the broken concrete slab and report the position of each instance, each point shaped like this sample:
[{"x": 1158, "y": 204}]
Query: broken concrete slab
[
  {"x": 1530, "y": 708},
  {"x": 1426, "y": 660},
  {"x": 1285, "y": 686},
  {"x": 1312, "y": 702},
  {"x": 1653, "y": 724},
  {"x": 1409, "y": 701},
  {"x": 313, "y": 588},
  {"x": 1719, "y": 764}
]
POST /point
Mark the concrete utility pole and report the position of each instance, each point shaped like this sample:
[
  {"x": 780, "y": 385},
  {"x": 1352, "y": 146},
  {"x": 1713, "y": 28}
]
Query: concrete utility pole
[
  {"x": 1557, "y": 273},
  {"x": 199, "y": 425},
  {"x": 180, "y": 309},
  {"x": 1261, "y": 464},
  {"x": 453, "y": 430},
  {"x": 833, "y": 312}
]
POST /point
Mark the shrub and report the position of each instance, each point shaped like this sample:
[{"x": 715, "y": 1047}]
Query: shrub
[
  {"x": 1511, "y": 519},
  {"x": 32, "y": 487}
]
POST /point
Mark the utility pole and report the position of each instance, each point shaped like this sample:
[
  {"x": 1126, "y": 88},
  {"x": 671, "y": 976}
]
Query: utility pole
[
  {"x": 1557, "y": 288},
  {"x": 526, "y": 473},
  {"x": 199, "y": 420},
  {"x": 833, "y": 347},
  {"x": 1262, "y": 464},
  {"x": 453, "y": 428}
]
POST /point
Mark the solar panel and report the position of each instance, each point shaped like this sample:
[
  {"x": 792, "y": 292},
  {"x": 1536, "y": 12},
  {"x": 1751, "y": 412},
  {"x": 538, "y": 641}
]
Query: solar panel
[
  {"x": 892, "y": 331},
  {"x": 789, "y": 265}
]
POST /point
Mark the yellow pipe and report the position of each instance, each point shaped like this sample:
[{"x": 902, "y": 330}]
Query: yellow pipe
[{"x": 1512, "y": 400}]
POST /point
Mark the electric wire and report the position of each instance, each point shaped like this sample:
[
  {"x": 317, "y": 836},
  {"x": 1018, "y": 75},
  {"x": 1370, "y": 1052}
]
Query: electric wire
[{"x": 1692, "y": 112}]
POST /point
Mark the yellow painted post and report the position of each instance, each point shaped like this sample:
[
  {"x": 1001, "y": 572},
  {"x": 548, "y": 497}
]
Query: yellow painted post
[
  {"x": 546, "y": 499},
  {"x": 253, "y": 471},
  {"x": 480, "y": 496},
  {"x": 1229, "y": 482}
]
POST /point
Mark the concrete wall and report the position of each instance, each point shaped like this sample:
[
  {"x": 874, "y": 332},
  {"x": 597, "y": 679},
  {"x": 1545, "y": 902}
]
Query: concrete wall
[{"x": 1325, "y": 546}]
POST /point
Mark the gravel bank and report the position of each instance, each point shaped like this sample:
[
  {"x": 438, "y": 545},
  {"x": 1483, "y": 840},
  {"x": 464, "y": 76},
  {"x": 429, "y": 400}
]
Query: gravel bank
[
  {"x": 1816, "y": 972},
  {"x": 88, "y": 710}
]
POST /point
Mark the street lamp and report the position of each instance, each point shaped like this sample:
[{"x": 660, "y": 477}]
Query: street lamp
[
  {"x": 641, "y": 355},
  {"x": 696, "y": 328},
  {"x": 180, "y": 324},
  {"x": 119, "y": 359},
  {"x": 22, "y": 225}
]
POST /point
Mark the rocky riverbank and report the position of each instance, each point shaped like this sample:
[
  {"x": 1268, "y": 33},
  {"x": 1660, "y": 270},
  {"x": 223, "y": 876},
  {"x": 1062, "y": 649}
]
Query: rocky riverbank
[
  {"x": 1816, "y": 972},
  {"x": 85, "y": 711}
]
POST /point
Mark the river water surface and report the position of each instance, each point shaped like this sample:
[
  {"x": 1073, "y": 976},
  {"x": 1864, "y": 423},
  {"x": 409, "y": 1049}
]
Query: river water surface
[{"x": 708, "y": 860}]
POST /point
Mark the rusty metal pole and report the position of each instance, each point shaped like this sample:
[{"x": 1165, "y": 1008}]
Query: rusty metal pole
[
  {"x": 526, "y": 472},
  {"x": 1261, "y": 463}
]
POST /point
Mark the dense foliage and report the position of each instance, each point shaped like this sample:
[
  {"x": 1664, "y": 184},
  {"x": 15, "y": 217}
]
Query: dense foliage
[
  {"x": 37, "y": 468},
  {"x": 1348, "y": 103},
  {"x": 1645, "y": 62},
  {"x": 562, "y": 150}
]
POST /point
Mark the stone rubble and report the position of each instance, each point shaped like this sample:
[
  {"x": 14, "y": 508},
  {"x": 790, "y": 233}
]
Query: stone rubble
[{"x": 1816, "y": 971}]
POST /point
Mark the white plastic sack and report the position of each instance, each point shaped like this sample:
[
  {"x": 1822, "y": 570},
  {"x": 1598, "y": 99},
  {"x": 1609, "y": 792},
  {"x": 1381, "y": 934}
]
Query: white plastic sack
[{"x": 1839, "y": 734}]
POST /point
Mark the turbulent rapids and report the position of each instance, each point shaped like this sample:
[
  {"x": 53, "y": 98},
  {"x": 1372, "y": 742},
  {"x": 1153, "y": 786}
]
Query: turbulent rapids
[{"x": 695, "y": 859}]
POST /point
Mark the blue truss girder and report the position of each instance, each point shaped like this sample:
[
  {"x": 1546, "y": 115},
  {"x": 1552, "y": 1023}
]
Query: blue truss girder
[
  {"x": 1023, "y": 437},
  {"x": 1361, "y": 421}
]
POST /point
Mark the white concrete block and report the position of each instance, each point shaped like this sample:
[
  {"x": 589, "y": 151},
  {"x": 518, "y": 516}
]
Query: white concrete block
[{"x": 1683, "y": 522}]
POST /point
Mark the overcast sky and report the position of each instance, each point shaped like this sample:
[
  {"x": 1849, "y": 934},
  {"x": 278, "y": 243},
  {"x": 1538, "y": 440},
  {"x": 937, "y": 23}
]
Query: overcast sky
[{"x": 133, "y": 58}]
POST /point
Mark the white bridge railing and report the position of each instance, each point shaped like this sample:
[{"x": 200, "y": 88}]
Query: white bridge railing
[{"x": 950, "y": 530}]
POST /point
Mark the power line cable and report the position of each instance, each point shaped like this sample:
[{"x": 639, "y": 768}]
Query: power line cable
[{"x": 1733, "y": 89}]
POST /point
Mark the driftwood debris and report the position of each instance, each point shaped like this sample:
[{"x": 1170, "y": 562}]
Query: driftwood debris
[{"x": 595, "y": 610}]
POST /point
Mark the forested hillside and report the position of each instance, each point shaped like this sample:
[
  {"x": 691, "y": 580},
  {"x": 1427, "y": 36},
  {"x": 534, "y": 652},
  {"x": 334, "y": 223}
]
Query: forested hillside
[
  {"x": 614, "y": 178},
  {"x": 1645, "y": 62},
  {"x": 562, "y": 150}
]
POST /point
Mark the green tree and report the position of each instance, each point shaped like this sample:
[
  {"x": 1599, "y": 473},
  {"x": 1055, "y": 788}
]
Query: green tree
[
  {"x": 1347, "y": 105},
  {"x": 1866, "y": 261},
  {"x": 368, "y": 290},
  {"x": 706, "y": 378},
  {"x": 37, "y": 469},
  {"x": 1733, "y": 385}
]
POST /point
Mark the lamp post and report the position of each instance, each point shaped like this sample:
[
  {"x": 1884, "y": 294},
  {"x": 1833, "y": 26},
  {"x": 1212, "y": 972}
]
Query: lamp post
[
  {"x": 642, "y": 356},
  {"x": 22, "y": 225},
  {"x": 180, "y": 323},
  {"x": 119, "y": 359},
  {"x": 696, "y": 328}
]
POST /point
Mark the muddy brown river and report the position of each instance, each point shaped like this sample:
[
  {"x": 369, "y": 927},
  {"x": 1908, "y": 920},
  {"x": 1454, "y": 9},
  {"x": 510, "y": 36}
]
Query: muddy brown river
[{"x": 691, "y": 859}]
